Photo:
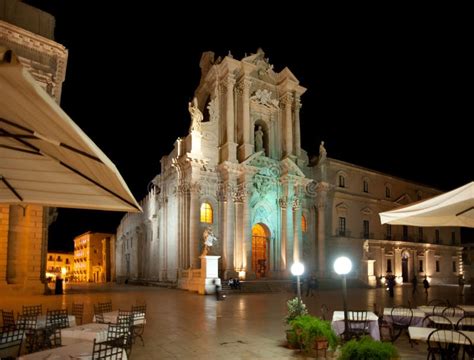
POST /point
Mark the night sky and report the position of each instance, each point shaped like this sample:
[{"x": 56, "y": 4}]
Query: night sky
[{"x": 391, "y": 95}]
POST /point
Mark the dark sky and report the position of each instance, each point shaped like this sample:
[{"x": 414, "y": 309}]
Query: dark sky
[{"x": 394, "y": 95}]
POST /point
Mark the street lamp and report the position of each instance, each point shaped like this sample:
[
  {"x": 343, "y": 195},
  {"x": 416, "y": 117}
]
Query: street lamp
[
  {"x": 297, "y": 269},
  {"x": 343, "y": 266}
]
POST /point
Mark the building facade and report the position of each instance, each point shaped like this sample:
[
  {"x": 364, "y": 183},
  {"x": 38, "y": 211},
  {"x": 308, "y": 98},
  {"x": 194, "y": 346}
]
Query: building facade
[
  {"x": 94, "y": 257},
  {"x": 60, "y": 264},
  {"x": 24, "y": 229},
  {"x": 241, "y": 171}
]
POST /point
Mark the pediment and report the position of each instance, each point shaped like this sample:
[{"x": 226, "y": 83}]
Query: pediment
[
  {"x": 341, "y": 206},
  {"x": 405, "y": 199},
  {"x": 286, "y": 74},
  {"x": 366, "y": 211}
]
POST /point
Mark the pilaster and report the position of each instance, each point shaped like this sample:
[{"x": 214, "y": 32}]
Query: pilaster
[{"x": 245, "y": 148}]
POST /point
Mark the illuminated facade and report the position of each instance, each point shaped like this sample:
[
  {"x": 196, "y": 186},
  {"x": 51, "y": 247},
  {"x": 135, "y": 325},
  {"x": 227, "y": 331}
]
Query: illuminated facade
[
  {"x": 94, "y": 257},
  {"x": 24, "y": 229},
  {"x": 60, "y": 264},
  {"x": 242, "y": 171}
]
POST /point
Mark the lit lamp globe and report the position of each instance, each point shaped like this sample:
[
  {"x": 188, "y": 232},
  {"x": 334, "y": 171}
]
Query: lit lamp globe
[
  {"x": 342, "y": 265},
  {"x": 297, "y": 269}
]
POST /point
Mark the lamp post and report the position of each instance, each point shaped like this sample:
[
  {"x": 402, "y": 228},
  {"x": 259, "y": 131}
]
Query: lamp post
[
  {"x": 297, "y": 269},
  {"x": 342, "y": 266}
]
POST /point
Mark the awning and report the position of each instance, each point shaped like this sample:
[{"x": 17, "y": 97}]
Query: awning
[
  {"x": 454, "y": 208},
  {"x": 45, "y": 158}
]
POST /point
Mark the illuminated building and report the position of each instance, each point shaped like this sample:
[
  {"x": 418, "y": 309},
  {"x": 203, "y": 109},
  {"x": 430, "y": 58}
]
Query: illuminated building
[
  {"x": 60, "y": 264},
  {"x": 94, "y": 257},
  {"x": 267, "y": 202}
]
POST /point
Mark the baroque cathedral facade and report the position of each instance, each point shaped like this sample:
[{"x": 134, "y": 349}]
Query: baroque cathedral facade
[{"x": 241, "y": 172}]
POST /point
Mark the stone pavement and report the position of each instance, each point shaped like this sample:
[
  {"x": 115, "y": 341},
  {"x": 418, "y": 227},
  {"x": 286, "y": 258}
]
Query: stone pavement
[{"x": 184, "y": 325}]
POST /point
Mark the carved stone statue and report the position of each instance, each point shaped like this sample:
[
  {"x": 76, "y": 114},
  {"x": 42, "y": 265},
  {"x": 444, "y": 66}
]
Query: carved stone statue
[
  {"x": 196, "y": 115},
  {"x": 209, "y": 240},
  {"x": 322, "y": 152},
  {"x": 258, "y": 139}
]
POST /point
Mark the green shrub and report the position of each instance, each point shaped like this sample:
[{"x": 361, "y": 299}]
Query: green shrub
[
  {"x": 308, "y": 327},
  {"x": 295, "y": 308},
  {"x": 368, "y": 349}
]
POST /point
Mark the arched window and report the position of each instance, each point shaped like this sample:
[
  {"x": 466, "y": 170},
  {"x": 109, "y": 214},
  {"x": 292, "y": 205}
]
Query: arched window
[
  {"x": 304, "y": 225},
  {"x": 206, "y": 213}
]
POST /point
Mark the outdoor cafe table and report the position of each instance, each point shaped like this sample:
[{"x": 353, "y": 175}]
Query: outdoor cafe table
[
  {"x": 41, "y": 321},
  {"x": 422, "y": 333},
  {"x": 417, "y": 319},
  {"x": 86, "y": 332},
  {"x": 112, "y": 317},
  {"x": 79, "y": 351},
  {"x": 372, "y": 319}
]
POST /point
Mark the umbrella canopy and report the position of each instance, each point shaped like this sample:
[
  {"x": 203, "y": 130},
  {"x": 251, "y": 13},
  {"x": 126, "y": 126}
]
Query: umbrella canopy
[
  {"x": 45, "y": 158},
  {"x": 454, "y": 208}
]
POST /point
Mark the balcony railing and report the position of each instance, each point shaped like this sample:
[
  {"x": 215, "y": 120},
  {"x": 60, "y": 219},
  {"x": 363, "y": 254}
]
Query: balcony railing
[
  {"x": 365, "y": 235},
  {"x": 343, "y": 233}
]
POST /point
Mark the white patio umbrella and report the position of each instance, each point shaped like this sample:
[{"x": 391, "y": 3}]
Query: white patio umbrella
[
  {"x": 45, "y": 158},
  {"x": 454, "y": 208}
]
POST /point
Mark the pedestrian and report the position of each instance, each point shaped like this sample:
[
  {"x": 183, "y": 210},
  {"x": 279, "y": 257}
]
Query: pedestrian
[
  {"x": 313, "y": 285},
  {"x": 390, "y": 278},
  {"x": 461, "y": 285},
  {"x": 426, "y": 285},
  {"x": 414, "y": 281}
]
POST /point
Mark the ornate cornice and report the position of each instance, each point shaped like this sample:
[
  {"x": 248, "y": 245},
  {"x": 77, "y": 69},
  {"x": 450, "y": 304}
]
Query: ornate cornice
[{"x": 44, "y": 58}]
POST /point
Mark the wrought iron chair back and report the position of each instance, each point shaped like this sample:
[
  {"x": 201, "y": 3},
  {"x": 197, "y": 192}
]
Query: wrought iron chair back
[
  {"x": 32, "y": 309},
  {"x": 448, "y": 344},
  {"x": 78, "y": 311},
  {"x": 466, "y": 323},
  {"x": 10, "y": 343},
  {"x": 437, "y": 322}
]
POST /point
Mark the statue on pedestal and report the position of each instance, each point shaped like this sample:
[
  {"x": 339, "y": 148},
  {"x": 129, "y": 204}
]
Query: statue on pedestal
[
  {"x": 196, "y": 115},
  {"x": 209, "y": 240}
]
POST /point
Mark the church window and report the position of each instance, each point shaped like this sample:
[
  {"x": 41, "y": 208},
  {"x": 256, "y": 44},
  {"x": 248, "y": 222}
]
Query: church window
[
  {"x": 206, "y": 213},
  {"x": 304, "y": 225},
  {"x": 342, "y": 181},
  {"x": 366, "y": 186},
  {"x": 388, "y": 192}
]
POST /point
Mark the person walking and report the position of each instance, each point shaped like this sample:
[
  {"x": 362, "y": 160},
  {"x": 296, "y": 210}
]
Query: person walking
[
  {"x": 461, "y": 285},
  {"x": 414, "y": 281},
  {"x": 390, "y": 283},
  {"x": 426, "y": 285}
]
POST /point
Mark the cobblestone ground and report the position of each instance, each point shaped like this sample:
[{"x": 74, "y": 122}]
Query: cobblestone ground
[{"x": 184, "y": 325}]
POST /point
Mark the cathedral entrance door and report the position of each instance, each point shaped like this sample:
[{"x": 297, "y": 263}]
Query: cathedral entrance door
[
  {"x": 260, "y": 235},
  {"x": 405, "y": 268}
]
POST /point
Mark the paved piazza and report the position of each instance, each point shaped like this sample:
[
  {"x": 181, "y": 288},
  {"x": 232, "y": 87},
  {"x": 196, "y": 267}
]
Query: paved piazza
[{"x": 184, "y": 325}]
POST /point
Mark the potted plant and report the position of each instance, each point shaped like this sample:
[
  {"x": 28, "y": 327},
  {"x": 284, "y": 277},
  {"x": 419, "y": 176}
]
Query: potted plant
[
  {"x": 295, "y": 308},
  {"x": 368, "y": 348},
  {"x": 313, "y": 333}
]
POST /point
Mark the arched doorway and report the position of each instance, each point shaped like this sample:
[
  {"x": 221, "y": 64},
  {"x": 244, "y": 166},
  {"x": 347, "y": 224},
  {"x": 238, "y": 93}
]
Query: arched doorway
[
  {"x": 405, "y": 257},
  {"x": 260, "y": 235}
]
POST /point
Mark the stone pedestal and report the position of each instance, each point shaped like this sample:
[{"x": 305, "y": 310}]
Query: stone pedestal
[
  {"x": 209, "y": 274},
  {"x": 368, "y": 272}
]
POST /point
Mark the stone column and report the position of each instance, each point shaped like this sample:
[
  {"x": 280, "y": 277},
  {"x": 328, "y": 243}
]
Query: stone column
[
  {"x": 247, "y": 235},
  {"x": 322, "y": 189},
  {"x": 397, "y": 260},
  {"x": 194, "y": 236},
  {"x": 230, "y": 147},
  {"x": 297, "y": 245},
  {"x": 4, "y": 226},
  {"x": 283, "y": 206},
  {"x": 297, "y": 140},
  {"x": 246, "y": 148},
  {"x": 238, "y": 246},
  {"x": 229, "y": 226},
  {"x": 288, "y": 124}
]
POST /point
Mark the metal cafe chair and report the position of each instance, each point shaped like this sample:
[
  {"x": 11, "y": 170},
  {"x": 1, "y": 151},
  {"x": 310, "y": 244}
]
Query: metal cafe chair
[
  {"x": 357, "y": 323},
  {"x": 78, "y": 311},
  {"x": 10, "y": 343},
  {"x": 437, "y": 322},
  {"x": 447, "y": 344},
  {"x": 401, "y": 319},
  {"x": 139, "y": 321}
]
